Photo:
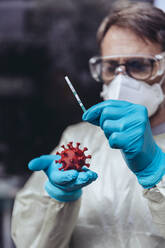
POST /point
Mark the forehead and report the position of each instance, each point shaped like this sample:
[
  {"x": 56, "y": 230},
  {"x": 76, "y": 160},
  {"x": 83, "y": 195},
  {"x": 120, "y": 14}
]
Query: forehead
[{"x": 122, "y": 41}]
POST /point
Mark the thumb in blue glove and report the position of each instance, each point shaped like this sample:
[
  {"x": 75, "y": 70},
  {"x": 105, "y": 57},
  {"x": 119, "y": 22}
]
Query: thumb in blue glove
[
  {"x": 62, "y": 185},
  {"x": 127, "y": 127}
]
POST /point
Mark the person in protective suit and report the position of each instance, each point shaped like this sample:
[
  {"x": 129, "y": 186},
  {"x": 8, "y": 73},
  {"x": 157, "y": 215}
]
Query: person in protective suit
[{"x": 123, "y": 205}]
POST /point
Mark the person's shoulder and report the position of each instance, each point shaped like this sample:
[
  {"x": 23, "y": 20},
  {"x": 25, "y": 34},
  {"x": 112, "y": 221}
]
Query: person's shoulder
[
  {"x": 80, "y": 125},
  {"x": 86, "y": 134},
  {"x": 82, "y": 128},
  {"x": 83, "y": 131}
]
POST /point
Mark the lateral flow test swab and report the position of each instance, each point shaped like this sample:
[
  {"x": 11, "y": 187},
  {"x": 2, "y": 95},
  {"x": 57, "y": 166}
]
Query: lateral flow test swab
[{"x": 75, "y": 93}]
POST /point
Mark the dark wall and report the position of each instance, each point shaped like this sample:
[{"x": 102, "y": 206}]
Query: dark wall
[{"x": 39, "y": 45}]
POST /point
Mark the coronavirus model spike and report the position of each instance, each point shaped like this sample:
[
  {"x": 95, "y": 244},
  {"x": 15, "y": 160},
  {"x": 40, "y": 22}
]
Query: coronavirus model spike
[{"x": 73, "y": 157}]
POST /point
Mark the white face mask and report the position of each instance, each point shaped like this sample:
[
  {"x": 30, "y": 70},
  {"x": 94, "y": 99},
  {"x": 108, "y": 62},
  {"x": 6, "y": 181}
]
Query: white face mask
[{"x": 129, "y": 89}]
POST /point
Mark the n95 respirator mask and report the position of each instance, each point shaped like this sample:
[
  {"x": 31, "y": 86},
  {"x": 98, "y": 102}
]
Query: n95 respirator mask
[{"x": 123, "y": 87}]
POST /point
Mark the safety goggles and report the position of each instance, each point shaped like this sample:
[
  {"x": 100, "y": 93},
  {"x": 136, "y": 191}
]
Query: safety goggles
[{"x": 140, "y": 67}]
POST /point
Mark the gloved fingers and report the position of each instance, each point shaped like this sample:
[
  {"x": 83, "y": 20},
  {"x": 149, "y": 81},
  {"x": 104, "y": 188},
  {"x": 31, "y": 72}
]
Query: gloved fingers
[
  {"x": 115, "y": 113},
  {"x": 42, "y": 162},
  {"x": 60, "y": 194},
  {"x": 93, "y": 114},
  {"x": 111, "y": 126},
  {"x": 60, "y": 177},
  {"x": 83, "y": 179},
  {"x": 120, "y": 125},
  {"x": 85, "y": 168},
  {"x": 127, "y": 140}
]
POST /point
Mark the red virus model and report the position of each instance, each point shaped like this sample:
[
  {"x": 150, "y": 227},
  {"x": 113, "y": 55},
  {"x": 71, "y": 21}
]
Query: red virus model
[{"x": 73, "y": 157}]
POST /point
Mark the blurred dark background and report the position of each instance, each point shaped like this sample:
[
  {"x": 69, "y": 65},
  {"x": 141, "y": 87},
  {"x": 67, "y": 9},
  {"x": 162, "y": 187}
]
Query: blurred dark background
[{"x": 41, "y": 41}]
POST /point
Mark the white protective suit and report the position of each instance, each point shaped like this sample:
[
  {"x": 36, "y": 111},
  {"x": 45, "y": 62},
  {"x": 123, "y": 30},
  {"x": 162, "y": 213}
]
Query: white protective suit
[{"x": 115, "y": 211}]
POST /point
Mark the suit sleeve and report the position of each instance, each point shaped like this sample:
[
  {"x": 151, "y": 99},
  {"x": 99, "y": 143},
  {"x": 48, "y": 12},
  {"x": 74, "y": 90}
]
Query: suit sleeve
[
  {"x": 40, "y": 221},
  {"x": 156, "y": 202}
]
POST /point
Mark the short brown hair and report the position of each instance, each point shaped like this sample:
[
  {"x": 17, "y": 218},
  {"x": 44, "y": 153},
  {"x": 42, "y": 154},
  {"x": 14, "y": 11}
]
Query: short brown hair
[{"x": 145, "y": 20}]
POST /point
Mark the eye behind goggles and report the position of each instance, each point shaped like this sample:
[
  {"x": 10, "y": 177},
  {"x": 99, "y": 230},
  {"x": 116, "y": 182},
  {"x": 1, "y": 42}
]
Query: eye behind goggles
[{"x": 139, "y": 67}]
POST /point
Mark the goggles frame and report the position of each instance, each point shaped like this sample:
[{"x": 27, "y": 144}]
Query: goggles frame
[{"x": 96, "y": 69}]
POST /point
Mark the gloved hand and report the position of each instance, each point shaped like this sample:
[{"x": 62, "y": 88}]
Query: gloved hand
[
  {"x": 64, "y": 186},
  {"x": 127, "y": 127}
]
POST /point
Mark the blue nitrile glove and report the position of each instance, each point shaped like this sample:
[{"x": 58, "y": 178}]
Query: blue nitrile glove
[
  {"x": 64, "y": 186},
  {"x": 127, "y": 127}
]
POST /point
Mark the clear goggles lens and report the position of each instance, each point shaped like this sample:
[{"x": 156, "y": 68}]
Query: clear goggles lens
[{"x": 138, "y": 67}]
